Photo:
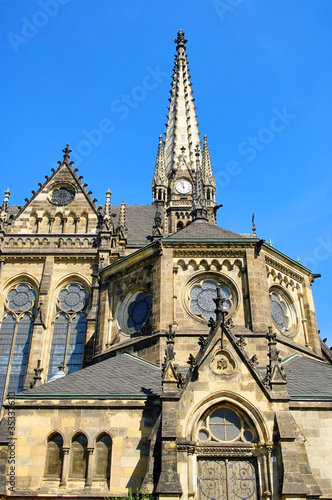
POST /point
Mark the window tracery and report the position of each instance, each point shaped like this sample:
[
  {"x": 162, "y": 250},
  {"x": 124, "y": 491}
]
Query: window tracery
[
  {"x": 15, "y": 335},
  {"x": 200, "y": 292},
  {"x": 69, "y": 329},
  {"x": 283, "y": 312},
  {"x": 225, "y": 424}
]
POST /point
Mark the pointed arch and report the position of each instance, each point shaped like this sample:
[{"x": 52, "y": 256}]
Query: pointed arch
[
  {"x": 15, "y": 334},
  {"x": 54, "y": 456},
  {"x": 69, "y": 330},
  {"x": 79, "y": 456},
  {"x": 103, "y": 456}
]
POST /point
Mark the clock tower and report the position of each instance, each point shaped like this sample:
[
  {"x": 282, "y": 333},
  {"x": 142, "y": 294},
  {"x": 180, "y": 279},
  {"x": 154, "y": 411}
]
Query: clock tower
[{"x": 182, "y": 153}]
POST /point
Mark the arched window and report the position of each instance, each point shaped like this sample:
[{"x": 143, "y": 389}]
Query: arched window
[
  {"x": 69, "y": 330},
  {"x": 15, "y": 337},
  {"x": 79, "y": 457},
  {"x": 103, "y": 457},
  {"x": 226, "y": 424},
  {"x": 233, "y": 472},
  {"x": 54, "y": 456}
]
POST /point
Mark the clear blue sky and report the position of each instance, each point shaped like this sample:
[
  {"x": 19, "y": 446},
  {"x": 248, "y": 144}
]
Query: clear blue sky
[{"x": 97, "y": 73}]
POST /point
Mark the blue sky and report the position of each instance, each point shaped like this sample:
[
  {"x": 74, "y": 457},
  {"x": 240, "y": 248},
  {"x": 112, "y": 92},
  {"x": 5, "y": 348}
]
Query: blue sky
[{"x": 97, "y": 73}]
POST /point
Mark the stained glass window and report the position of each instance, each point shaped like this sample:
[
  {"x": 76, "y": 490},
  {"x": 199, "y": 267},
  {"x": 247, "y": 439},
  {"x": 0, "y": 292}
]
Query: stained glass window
[
  {"x": 69, "y": 330},
  {"x": 202, "y": 295},
  {"x": 280, "y": 312},
  {"x": 139, "y": 311},
  {"x": 15, "y": 336}
]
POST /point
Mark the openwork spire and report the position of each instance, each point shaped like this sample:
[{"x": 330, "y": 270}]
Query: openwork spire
[
  {"x": 182, "y": 126},
  {"x": 199, "y": 202},
  {"x": 159, "y": 178},
  {"x": 208, "y": 176}
]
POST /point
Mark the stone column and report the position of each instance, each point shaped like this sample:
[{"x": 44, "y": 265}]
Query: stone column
[
  {"x": 76, "y": 221},
  {"x": 63, "y": 224},
  {"x": 51, "y": 222},
  {"x": 65, "y": 466},
  {"x": 89, "y": 476},
  {"x": 38, "y": 221}
]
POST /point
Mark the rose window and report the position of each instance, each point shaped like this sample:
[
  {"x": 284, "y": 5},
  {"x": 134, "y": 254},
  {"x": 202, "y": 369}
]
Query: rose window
[
  {"x": 280, "y": 312},
  {"x": 139, "y": 311},
  {"x": 21, "y": 299},
  {"x": 202, "y": 295},
  {"x": 72, "y": 299},
  {"x": 62, "y": 196}
]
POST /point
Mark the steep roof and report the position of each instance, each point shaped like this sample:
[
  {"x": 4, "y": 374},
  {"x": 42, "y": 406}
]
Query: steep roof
[
  {"x": 123, "y": 375},
  {"x": 308, "y": 378},
  {"x": 201, "y": 229}
]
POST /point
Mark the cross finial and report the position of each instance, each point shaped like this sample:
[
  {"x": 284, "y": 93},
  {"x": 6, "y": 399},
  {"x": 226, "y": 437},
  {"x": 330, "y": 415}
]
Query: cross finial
[{"x": 66, "y": 152}]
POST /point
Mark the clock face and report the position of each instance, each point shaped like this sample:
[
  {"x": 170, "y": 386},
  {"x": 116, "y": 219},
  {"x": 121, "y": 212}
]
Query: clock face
[{"x": 183, "y": 186}]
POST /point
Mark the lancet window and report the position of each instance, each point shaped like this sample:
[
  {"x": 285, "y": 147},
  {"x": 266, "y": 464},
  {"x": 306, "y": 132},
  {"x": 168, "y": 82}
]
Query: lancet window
[
  {"x": 15, "y": 335},
  {"x": 54, "y": 456},
  {"x": 69, "y": 330}
]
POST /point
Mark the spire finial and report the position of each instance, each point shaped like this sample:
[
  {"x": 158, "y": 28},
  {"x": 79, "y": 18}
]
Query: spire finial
[
  {"x": 180, "y": 40},
  {"x": 6, "y": 199},
  {"x": 108, "y": 203},
  {"x": 66, "y": 152},
  {"x": 253, "y": 223}
]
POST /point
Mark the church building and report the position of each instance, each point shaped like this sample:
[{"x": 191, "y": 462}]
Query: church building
[{"x": 144, "y": 348}]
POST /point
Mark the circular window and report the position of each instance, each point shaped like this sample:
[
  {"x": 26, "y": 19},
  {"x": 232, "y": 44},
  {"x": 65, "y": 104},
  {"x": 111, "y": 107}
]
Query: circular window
[
  {"x": 62, "y": 196},
  {"x": 139, "y": 311},
  {"x": 226, "y": 424},
  {"x": 200, "y": 295},
  {"x": 72, "y": 298},
  {"x": 283, "y": 312},
  {"x": 21, "y": 299},
  {"x": 134, "y": 311}
]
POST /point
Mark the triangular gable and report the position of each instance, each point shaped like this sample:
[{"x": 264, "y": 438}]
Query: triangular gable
[
  {"x": 64, "y": 176},
  {"x": 222, "y": 357}
]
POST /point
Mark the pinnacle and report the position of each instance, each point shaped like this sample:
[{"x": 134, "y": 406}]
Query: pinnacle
[{"x": 66, "y": 152}]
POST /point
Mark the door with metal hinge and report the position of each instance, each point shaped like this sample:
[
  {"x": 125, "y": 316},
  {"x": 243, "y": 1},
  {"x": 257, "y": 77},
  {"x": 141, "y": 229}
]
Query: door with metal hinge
[{"x": 227, "y": 479}]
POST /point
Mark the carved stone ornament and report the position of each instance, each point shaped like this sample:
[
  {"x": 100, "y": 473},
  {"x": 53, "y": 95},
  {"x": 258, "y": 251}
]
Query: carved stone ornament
[
  {"x": 223, "y": 363},
  {"x": 284, "y": 269}
]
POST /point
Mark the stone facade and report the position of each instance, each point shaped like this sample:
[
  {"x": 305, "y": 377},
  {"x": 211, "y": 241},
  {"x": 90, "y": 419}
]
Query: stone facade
[{"x": 146, "y": 348}]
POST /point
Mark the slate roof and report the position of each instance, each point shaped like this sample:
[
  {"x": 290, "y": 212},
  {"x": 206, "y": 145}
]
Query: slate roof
[
  {"x": 202, "y": 229},
  {"x": 123, "y": 375},
  {"x": 139, "y": 222},
  {"x": 307, "y": 377}
]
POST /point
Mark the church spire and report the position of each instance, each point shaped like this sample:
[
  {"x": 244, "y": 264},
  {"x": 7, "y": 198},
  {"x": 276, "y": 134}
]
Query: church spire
[
  {"x": 182, "y": 127},
  {"x": 208, "y": 176},
  {"x": 159, "y": 178},
  {"x": 199, "y": 203}
]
